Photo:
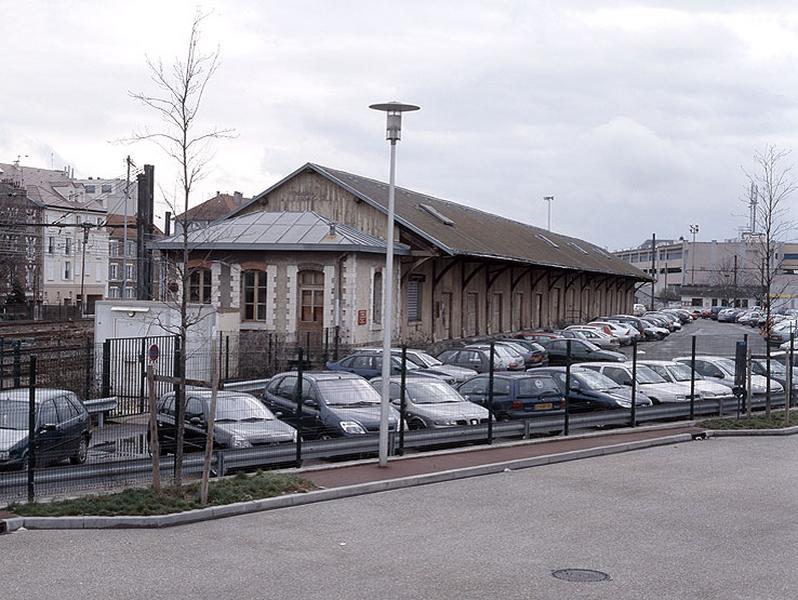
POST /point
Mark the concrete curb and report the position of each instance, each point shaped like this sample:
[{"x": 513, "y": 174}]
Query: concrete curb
[
  {"x": 751, "y": 432},
  {"x": 241, "y": 508}
]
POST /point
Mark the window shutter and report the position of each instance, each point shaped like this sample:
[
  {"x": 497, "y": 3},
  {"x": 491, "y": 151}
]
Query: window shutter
[{"x": 414, "y": 300}]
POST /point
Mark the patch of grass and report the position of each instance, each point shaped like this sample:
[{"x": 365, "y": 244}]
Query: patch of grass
[
  {"x": 144, "y": 501},
  {"x": 758, "y": 421}
]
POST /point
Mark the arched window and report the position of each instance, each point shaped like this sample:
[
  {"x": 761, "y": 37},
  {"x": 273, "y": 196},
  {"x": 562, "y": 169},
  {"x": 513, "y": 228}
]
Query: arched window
[
  {"x": 253, "y": 296},
  {"x": 376, "y": 299},
  {"x": 199, "y": 288}
]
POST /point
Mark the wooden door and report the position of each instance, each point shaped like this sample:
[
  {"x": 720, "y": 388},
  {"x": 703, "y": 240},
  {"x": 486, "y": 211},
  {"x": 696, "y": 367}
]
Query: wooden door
[{"x": 310, "y": 309}]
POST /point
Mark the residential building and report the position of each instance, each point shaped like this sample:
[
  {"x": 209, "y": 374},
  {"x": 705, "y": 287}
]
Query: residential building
[
  {"x": 305, "y": 258},
  {"x": 73, "y": 235},
  {"x": 123, "y": 259},
  {"x": 114, "y": 195},
  {"x": 213, "y": 209},
  {"x": 21, "y": 248}
]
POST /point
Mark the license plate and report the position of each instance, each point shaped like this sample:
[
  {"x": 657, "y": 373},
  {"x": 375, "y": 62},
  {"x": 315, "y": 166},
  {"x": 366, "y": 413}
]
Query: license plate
[{"x": 544, "y": 406}]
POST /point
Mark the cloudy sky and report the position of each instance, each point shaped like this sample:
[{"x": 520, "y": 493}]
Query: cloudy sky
[{"x": 638, "y": 117}]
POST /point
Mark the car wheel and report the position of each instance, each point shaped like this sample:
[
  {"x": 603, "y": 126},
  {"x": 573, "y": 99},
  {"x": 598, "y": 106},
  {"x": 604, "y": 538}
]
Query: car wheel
[
  {"x": 415, "y": 424},
  {"x": 83, "y": 450}
]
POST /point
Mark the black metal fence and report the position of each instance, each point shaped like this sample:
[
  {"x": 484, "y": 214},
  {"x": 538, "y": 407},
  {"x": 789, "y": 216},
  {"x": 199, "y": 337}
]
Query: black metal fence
[
  {"x": 39, "y": 312},
  {"x": 296, "y": 429}
]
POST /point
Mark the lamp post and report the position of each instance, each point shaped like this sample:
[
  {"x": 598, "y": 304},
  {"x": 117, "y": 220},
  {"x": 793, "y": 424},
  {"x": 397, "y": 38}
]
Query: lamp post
[
  {"x": 393, "y": 134},
  {"x": 693, "y": 230},
  {"x": 549, "y": 199}
]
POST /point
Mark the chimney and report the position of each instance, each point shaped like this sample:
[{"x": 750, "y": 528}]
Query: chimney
[
  {"x": 167, "y": 223},
  {"x": 237, "y": 198}
]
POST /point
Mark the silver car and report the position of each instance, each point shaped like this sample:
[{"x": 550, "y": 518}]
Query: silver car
[{"x": 431, "y": 404}]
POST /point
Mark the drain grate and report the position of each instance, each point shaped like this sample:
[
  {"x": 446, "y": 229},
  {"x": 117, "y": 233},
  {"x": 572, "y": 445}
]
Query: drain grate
[{"x": 581, "y": 575}]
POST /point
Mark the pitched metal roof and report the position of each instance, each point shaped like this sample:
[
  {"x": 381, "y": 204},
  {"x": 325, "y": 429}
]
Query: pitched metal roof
[
  {"x": 461, "y": 230},
  {"x": 280, "y": 231},
  {"x": 214, "y": 208}
]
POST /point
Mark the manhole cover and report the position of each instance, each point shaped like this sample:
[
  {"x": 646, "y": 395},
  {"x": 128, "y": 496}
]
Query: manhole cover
[{"x": 580, "y": 575}]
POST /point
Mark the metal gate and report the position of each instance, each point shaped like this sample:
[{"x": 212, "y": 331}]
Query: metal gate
[{"x": 124, "y": 369}]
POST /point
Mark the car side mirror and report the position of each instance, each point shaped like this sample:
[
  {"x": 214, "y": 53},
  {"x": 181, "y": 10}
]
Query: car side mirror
[
  {"x": 48, "y": 427},
  {"x": 311, "y": 403},
  {"x": 279, "y": 414},
  {"x": 195, "y": 421}
]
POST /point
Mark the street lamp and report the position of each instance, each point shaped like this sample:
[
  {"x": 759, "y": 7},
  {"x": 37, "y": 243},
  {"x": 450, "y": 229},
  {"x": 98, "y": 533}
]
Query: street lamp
[
  {"x": 549, "y": 199},
  {"x": 694, "y": 231},
  {"x": 393, "y": 134}
]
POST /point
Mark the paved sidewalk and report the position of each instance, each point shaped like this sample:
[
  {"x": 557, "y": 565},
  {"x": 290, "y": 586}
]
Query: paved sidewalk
[{"x": 339, "y": 476}]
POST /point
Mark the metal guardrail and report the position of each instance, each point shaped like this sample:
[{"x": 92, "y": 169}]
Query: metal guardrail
[
  {"x": 282, "y": 454},
  {"x": 101, "y": 406}
]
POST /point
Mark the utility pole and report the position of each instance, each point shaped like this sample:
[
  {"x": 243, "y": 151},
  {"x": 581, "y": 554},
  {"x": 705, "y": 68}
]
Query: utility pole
[
  {"x": 693, "y": 230},
  {"x": 86, "y": 227},
  {"x": 653, "y": 266},
  {"x": 124, "y": 230},
  {"x": 549, "y": 199}
]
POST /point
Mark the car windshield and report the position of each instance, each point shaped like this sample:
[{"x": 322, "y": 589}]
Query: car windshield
[
  {"x": 422, "y": 359},
  {"x": 681, "y": 372},
  {"x": 241, "y": 409},
  {"x": 646, "y": 375},
  {"x": 347, "y": 392},
  {"x": 431, "y": 392},
  {"x": 776, "y": 368},
  {"x": 595, "y": 381},
  {"x": 533, "y": 387},
  {"x": 590, "y": 345},
  {"x": 726, "y": 364},
  {"x": 505, "y": 352},
  {"x": 13, "y": 414}
]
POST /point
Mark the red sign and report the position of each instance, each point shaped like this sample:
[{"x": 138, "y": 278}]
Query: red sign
[
  {"x": 154, "y": 352},
  {"x": 362, "y": 317}
]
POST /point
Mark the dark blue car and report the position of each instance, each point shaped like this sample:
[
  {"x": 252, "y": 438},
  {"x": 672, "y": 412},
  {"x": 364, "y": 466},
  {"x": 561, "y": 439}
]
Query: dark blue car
[
  {"x": 516, "y": 395},
  {"x": 334, "y": 404},
  {"x": 368, "y": 364},
  {"x": 594, "y": 391}
]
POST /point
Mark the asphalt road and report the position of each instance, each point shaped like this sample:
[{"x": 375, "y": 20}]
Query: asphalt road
[
  {"x": 711, "y": 519},
  {"x": 711, "y": 338}
]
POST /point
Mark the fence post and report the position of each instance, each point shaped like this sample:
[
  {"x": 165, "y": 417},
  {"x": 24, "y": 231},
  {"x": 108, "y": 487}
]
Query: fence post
[
  {"x": 567, "y": 414},
  {"x": 402, "y": 404},
  {"x": 633, "y": 406},
  {"x": 298, "y": 395},
  {"x": 326, "y": 344},
  {"x": 788, "y": 391},
  {"x": 692, "y": 379},
  {"x": 89, "y": 366},
  {"x": 221, "y": 334},
  {"x": 227, "y": 357},
  {"x": 270, "y": 355},
  {"x": 31, "y": 427},
  {"x": 336, "y": 341},
  {"x": 490, "y": 392},
  {"x": 2, "y": 364},
  {"x": 143, "y": 374},
  {"x": 105, "y": 386},
  {"x": 17, "y": 372},
  {"x": 176, "y": 368}
]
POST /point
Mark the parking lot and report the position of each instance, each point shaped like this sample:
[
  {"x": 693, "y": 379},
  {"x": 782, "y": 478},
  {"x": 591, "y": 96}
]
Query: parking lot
[{"x": 711, "y": 519}]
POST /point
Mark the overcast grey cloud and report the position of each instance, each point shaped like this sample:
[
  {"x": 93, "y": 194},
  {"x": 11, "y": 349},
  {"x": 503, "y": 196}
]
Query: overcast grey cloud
[{"x": 637, "y": 116}]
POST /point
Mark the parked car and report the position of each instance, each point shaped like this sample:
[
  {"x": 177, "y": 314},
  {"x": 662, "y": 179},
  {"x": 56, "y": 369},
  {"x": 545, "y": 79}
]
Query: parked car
[
  {"x": 713, "y": 312},
  {"x": 429, "y": 364},
  {"x": 581, "y": 351},
  {"x": 669, "y": 321},
  {"x": 642, "y": 326},
  {"x": 728, "y": 315},
  {"x": 594, "y": 391},
  {"x": 721, "y": 370},
  {"x": 639, "y": 310},
  {"x": 477, "y": 357},
  {"x": 62, "y": 430},
  {"x": 334, "y": 404},
  {"x": 241, "y": 422},
  {"x": 657, "y": 330},
  {"x": 621, "y": 331},
  {"x": 534, "y": 354},
  {"x": 648, "y": 382},
  {"x": 515, "y": 395},
  {"x": 597, "y": 336},
  {"x": 778, "y": 372},
  {"x": 368, "y": 364},
  {"x": 674, "y": 372},
  {"x": 433, "y": 404}
]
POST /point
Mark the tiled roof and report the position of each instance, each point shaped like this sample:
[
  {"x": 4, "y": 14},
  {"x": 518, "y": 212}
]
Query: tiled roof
[
  {"x": 279, "y": 231},
  {"x": 42, "y": 184},
  {"x": 461, "y": 230},
  {"x": 215, "y": 208}
]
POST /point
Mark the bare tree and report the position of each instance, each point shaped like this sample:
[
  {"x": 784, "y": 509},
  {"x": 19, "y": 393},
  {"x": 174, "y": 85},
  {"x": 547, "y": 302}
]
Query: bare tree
[
  {"x": 179, "y": 92},
  {"x": 772, "y": 182}
]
